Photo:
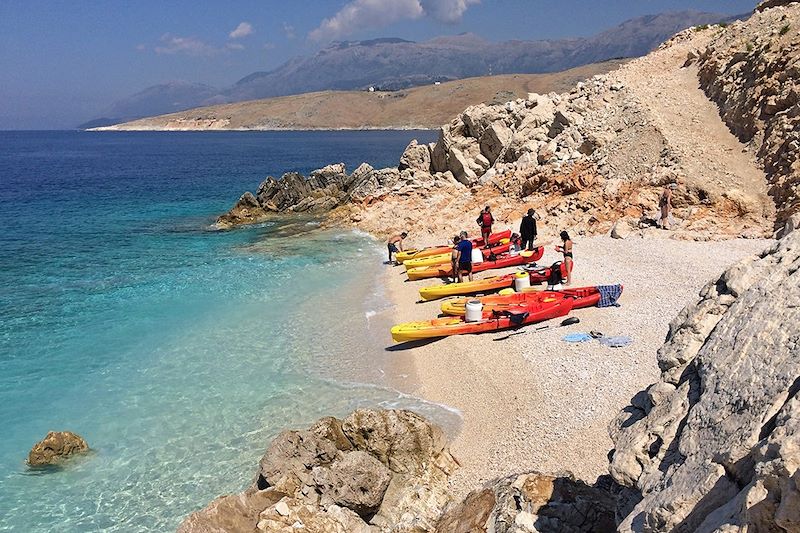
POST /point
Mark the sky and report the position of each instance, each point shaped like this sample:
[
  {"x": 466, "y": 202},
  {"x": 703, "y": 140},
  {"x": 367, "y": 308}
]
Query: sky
[{"x": 63, "y": 62}]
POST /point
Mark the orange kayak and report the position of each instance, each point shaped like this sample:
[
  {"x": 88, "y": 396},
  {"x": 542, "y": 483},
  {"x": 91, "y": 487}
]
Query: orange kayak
[
  {"x": 494, "y": 283},
  {"x": 502, "y": 261},
  {"x": 581, "y": 296},
  {"x": 537, "y": 311},
  {"x": 494, "y": 238}
]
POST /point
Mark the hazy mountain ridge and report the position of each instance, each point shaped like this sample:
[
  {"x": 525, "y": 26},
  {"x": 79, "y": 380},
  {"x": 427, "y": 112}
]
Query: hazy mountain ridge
[{"x": 392, "y": 64}]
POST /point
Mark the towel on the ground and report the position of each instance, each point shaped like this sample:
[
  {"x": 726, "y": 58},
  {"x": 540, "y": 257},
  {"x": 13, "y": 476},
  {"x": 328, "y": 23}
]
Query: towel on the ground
[
  {"x": 609, "y": 294},
  {"x": 577, "y": 337},
  {"x": 615, "y": 342}
]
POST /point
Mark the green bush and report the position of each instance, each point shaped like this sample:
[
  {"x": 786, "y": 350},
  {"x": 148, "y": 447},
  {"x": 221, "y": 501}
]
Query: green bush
[{"x": 785, "y": 29}]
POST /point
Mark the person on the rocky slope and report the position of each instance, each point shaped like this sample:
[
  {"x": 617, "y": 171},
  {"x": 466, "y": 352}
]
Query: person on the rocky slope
[
  {"x": 566, "y": 249},
  {"x": 485, "y": 221},
  {"x": 464, "y": 257},
  {"x": 395, "y": 244},
  {"x": 527, "y": 229},
  {"x": 665, "y": 204}
]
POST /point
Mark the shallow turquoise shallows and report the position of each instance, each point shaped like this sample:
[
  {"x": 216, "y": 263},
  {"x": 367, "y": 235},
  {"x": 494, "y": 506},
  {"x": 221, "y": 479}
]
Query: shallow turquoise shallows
[{"x": 175, "y": 350}]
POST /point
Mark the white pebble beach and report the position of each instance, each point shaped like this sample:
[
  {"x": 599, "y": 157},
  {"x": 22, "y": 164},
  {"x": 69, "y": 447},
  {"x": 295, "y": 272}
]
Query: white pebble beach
[{"x": 536, "y": 402}]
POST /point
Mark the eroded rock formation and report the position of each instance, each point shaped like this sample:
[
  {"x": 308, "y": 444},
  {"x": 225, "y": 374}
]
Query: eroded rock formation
[
  {"x": 376, "y": 470},
  {"x": 716, "y": 443},
  {"x": 752, "y": 70},
  {"x": 56, "y": 447}
]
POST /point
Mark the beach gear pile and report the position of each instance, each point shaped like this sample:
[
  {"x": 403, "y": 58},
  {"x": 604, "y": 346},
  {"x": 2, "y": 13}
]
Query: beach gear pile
[{"x": 520, "y": 301}]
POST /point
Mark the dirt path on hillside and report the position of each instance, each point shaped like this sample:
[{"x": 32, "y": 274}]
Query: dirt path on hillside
[{"x": 711, "y": 157}]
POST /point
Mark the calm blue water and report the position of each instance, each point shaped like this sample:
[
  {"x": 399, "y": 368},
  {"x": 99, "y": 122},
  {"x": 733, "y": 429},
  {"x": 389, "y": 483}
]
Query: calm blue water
[{"x": 175, "y": 350}]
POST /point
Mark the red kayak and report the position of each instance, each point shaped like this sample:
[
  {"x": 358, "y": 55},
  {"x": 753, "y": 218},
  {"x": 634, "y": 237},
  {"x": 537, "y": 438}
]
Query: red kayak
[
  {"x": 581, "y": 297},
  {"x": 538, "y": 311},
  {"x": 501, "y": 261}
]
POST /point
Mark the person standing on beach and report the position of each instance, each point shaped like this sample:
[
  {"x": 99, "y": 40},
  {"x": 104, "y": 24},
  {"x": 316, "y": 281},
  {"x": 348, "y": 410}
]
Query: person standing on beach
[
  {"x": 566, "y": 249},
  {"x": 464, "y": 257},
  {"x": 485, "y": 221},
  {"x": 527, "y": 229},
  {"x": 395, "y": 244},
  {"x": 665, "y": 203},
  {"x": 454, "y": 257}
]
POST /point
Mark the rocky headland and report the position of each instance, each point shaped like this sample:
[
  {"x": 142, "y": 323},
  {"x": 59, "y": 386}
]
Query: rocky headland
[
  {"x": 711, "y": 443},
  {"x": 714, "y": 110}
]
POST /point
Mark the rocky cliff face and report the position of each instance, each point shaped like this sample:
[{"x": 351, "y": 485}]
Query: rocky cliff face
[
  {"x": 752, "y": 70},
  {"x": 714, "y": 445}
]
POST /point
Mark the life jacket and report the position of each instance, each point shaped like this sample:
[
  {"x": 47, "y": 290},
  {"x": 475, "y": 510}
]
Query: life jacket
[{"x": 486, "y": 219}]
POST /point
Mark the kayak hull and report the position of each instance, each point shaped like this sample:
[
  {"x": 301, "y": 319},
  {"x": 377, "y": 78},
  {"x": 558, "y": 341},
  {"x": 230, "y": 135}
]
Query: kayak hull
[
  {"x": 444, "y": 258},
  {"x": 581, "y": 296},
  {"x": 446, "y": 270},
  {"x": 443, "y": 327},
  {"x": 468, "y": 287},
  {"x": 402, "y": 257}
]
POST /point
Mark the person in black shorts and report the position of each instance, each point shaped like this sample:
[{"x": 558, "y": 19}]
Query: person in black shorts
[
  {"x": 395, "y": 244},
  {"x": 464, "y": 257}
]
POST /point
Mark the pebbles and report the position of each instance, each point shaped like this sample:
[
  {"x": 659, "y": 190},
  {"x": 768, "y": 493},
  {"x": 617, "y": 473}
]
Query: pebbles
[{"x": 534, "y": 402}]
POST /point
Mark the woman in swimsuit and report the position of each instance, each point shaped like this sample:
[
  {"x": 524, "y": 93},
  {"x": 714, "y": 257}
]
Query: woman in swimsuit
[{"x": 566, "y": 249}]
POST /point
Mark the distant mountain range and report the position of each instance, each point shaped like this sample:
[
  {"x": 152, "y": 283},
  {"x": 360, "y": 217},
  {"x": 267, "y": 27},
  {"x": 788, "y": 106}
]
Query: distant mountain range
[{"x": 391, "y": 64}]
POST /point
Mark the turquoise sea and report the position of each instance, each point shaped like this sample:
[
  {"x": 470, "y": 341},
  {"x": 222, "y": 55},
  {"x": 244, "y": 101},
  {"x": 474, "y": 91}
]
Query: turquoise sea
[{"x": 177, "y": 351}]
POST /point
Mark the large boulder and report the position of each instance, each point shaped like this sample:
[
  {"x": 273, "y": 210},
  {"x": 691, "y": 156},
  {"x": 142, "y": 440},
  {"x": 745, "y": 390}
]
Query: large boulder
[
  {"x": 56, "y": 447},
  {"x": 716, "y": 442},
  {"x": 532, "y": 502},
  {"x": 416, "y": 156},
  {"x": 376, "y": 470},
  {"x": 358, "y": 482}
]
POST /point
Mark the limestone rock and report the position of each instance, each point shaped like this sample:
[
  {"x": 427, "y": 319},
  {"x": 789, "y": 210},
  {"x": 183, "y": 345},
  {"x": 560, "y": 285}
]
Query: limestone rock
[
  {"x": 56, "y": 447},
  {"x": 416, "y": 156},
  {"x": 358, "y": 481},
  {"x": 717, "y": 441},
  {"x": 291, "y": 458},
  {"x": 235, "y": 512},
  {"x": 247, "y": 210},
  {"x": 402, "y": 440},
  {"x": 532, "y": 502},
  {"x": 757, "y": 88},
  {"x": 291, "y": 515},
  {"x": 375, "y": 471}
]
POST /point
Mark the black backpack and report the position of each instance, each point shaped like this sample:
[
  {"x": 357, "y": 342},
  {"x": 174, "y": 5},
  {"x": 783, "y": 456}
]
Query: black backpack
[{"x": 555, "y": 277}]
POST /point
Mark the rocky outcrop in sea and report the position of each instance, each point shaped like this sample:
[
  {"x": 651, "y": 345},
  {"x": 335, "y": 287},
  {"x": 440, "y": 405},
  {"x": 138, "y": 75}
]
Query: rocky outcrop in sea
[{"x": 55, "y": 448}]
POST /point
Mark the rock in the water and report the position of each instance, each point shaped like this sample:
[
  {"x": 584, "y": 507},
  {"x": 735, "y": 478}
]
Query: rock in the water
[
  {"x": 55, "y": 447},
  {"x": 532, "y": 502},
  {"x": 717, "y": 441}
]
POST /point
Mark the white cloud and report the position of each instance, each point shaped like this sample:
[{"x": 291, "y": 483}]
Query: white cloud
[
  {"x": 288, "y": 30},
  {"x": 448, "y": 11},
  {"x": 358, "y": 15},
  {"x": 242, "y": 30},
  {"x": 234, "y": 46},
  {"x": 173, "y": 44},
  {"x": 363, "y": 14}
]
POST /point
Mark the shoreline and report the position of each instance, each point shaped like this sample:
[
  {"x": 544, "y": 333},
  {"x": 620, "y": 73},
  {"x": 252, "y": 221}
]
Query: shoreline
[
  {"x": 535, "y": 402},
  {"x": 364, "y": 128}
]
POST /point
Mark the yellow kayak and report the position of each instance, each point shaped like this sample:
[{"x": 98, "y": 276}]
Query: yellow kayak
[
  {"x": 444, "y": 258},
  {"x": 402, "y": 257},
  {"x": 468, "y": 287}
]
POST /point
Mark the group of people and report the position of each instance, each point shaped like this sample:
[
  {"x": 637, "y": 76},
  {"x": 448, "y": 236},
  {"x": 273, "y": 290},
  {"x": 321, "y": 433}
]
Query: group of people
[{"x": 461, "y": 256}]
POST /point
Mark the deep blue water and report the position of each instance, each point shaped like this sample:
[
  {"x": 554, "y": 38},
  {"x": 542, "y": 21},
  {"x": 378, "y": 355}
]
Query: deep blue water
[{"x": 175, "y": 350}]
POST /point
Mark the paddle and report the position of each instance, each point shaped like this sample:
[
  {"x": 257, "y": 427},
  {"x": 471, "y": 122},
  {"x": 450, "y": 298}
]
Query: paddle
[{"x": 566, "y": 322}]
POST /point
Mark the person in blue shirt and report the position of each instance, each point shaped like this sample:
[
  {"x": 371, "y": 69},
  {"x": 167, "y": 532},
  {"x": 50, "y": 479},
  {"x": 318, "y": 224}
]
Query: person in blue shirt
[{"x": 464, "y": 257}]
